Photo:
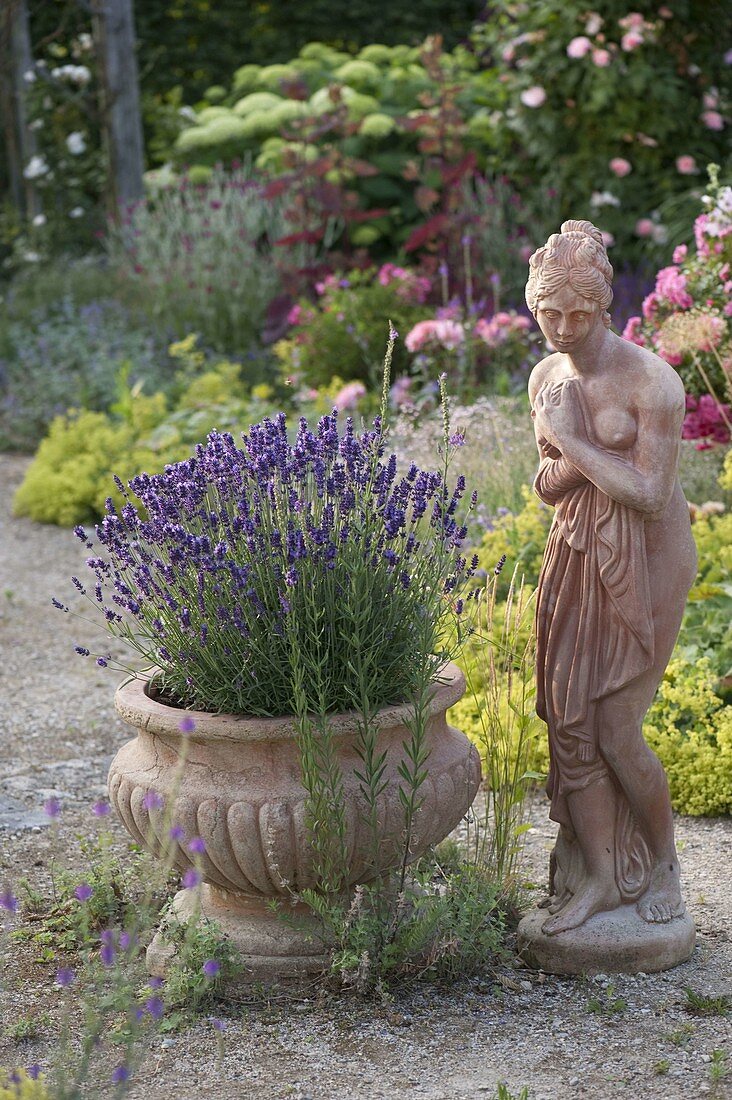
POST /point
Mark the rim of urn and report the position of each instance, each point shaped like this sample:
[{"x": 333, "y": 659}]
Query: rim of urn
[{"x": 143, "y": 711}]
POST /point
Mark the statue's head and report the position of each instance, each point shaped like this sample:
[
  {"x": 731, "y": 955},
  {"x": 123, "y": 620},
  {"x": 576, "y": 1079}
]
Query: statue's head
[{"x": 574, "y": 257}]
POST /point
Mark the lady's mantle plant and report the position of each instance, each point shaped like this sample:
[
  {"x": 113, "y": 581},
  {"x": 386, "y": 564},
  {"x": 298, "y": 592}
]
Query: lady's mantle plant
[{"x": 250, "y": 573}]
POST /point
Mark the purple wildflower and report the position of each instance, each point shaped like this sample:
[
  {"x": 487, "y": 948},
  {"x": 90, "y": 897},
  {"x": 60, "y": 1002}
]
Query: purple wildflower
[
  {"x": 34, "y": 1071},
  {"x": 52, "y": 808},
  {"x": 191, "y": 879},
  {"x": 83, "y": 891},
  {"x": 153, "y": 801},
  {"x": 177, "y": 832},
  {"x": 8, "y": 901},
  {"x": 211, "y": 968},
  {"x": 64, "y": 976},
  {"x": 101, "y": 808},
  {"x": 120, "y": 1074},
  {"x": 217, "y": 1024},
  {"x": 197, "y": 845},
  {"x": 156, "y": 1007},
  {"x": 186, "y": 725}
]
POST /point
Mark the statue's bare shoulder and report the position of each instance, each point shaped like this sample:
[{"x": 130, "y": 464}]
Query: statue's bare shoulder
[{"x": 656, "y": 385}]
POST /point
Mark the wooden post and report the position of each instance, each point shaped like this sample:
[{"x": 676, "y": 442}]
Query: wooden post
[
  {"x": 114, "y": 35},
  {"x": 16, "y": 60}
]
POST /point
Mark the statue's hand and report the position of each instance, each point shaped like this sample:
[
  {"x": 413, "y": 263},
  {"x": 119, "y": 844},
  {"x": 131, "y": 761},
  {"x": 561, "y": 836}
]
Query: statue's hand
[{"x": 557, "y": 412}]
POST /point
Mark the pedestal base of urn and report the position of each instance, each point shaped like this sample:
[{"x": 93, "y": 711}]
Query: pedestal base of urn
[
  {"x": 271, "y": 948},
  {"x": 617, "y": 942}
]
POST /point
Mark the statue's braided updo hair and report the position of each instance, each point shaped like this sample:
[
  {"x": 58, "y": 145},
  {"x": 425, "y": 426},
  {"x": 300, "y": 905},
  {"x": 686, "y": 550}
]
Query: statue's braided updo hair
[{"x": 576, "y": 255}]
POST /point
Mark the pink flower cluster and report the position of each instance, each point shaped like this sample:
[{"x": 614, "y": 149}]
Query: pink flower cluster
[
  {"x": 441, "y": 332},
  {"x": 349, "y": 396},
  {"x": 705, "y": 420},
  {"x": 671, "y": 287},
  {"x": 411, "y": 287},
  {"x": 500, "y": 326}
]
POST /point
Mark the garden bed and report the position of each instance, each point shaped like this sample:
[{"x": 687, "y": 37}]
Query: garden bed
[{"x": 575, "y": 1037}]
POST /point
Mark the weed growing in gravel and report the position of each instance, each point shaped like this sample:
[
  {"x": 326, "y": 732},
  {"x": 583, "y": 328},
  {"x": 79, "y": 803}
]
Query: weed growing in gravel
[
  {"x": 661, "y": 1067},
  {"x": 504, "y": 1093},
  {"x": 702, "y": 1004},
  {"x": 608, "y": 1004},
  {"x": 718, "y": 1068},
  {"x": 681, "y": 1036}
]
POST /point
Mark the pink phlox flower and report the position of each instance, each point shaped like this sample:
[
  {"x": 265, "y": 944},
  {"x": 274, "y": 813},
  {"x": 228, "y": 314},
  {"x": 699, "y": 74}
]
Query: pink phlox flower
[
  {"x": 632, "y": 331},
  {"x": 294, "y": 314},
  {"x": 446, "y": 333},
  {"x": 671, "y": 287},
  {"x": 680, "y": 253},
  {"x": 388, "y": 273},
  {"x": 349, "y": 396},
  {"x": 399, "y": 395},
  {"x": 705, "y": 419}
]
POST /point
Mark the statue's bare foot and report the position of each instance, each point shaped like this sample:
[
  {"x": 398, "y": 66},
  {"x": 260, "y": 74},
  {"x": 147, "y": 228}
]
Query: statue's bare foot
[
  {"x": 592, "y": 897},
  {"x": 662, "y": 900},
  {"x": 554, "y": 902}
]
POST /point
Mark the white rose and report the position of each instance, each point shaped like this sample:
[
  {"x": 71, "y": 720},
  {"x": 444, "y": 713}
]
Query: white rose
[
  {"x": 77, "y": 212},
  {"x": 75, "y": 143},
  {"x": 35, "y": 167},
  {"x": 29, "y": 76},
  {"x": 40, "y": 219}
]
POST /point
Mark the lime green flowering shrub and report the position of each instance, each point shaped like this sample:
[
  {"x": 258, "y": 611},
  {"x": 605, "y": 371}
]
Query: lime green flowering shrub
[
  {"x": 521, "y": 536},
  {"x": 689, "y": 724},
  {"x": 18, "y": 1085},
  {"x": 690, "y": 728}
]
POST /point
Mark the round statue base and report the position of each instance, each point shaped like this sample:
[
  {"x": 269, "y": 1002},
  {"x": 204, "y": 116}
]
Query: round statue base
[
  {"x": 617, "y": 942},
  {"x": 270, "y": 948}
]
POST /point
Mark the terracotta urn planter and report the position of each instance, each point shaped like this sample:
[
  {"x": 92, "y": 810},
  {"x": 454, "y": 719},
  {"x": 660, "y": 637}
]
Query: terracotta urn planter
[{"x": 235, "y": 782}]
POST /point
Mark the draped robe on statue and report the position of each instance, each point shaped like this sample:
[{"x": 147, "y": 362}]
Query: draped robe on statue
[{"x": 594, "y": 635}]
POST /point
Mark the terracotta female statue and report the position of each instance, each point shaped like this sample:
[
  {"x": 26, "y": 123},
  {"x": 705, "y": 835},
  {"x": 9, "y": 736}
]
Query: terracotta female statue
[{"x": 618, "y": 565}]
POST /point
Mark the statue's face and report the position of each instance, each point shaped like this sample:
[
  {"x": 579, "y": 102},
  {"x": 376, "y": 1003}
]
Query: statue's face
[{"x": 566, "y": 318}]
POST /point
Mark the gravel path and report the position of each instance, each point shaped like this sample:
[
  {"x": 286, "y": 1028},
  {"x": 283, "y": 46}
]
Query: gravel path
[{"x": 59, "y": 732}]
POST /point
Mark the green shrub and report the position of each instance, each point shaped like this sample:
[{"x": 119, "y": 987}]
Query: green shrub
[
  {"x": 617, "y": 126},
  {"x": 65, "y": 356},
  {"x": 200, "y": 256},
  {"x": 345, "y": 330}
]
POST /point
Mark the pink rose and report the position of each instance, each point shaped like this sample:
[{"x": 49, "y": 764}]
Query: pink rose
[
  {"x": 601, "y": 58},
  {"x": 686, "y": 165},
  {"x": 632, "y": 331},
  {"x": 644, "y": 227},
  {"x": 620, "y": 167},
  {"x": 711, "y": 99},
  {"x": 671, "y": 287},
  {"x": 712, "y": 120},
  {"x": 634, "y": 19},
  {"x": 579, "y": 46},
  {"x": 649, "y": 306},
  {"x": 534, "y": 96},
  {"x": 294, "y": 314},
  {"x": 680, "y": 253},
  {"x": 607, "y": 239},
  {"x": 631, "y": 41}
]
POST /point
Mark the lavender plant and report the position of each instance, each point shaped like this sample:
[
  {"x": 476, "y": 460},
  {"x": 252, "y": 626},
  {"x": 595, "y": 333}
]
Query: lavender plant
[{"x": 244, "y": 564}]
